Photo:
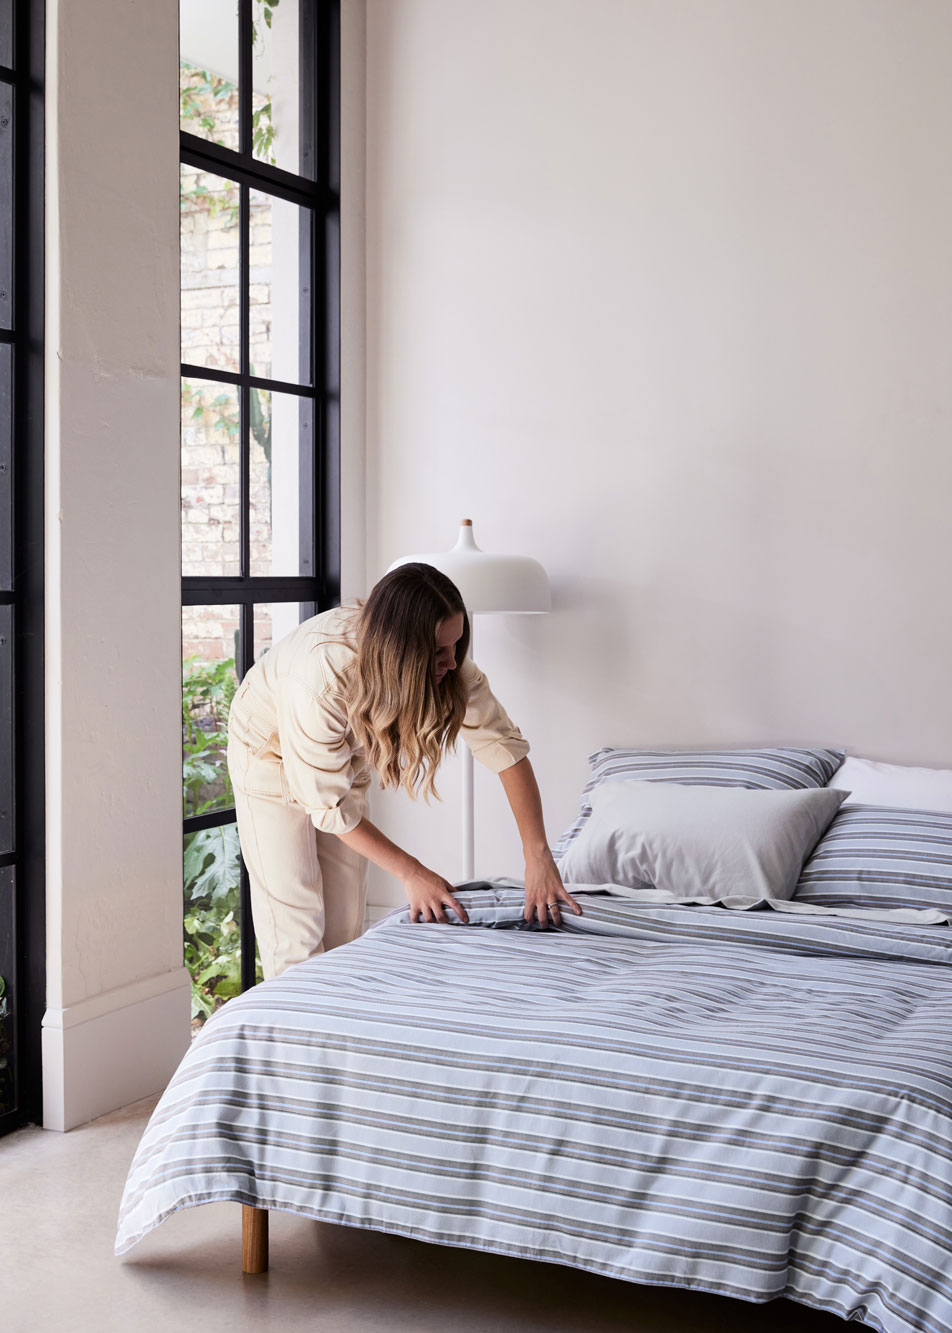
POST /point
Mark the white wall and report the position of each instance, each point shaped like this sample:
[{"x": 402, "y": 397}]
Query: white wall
[
  {"x": 117, "y": 1019},
  {"x": 353, "y": 96},
  {"x": 659, "y": 292}
]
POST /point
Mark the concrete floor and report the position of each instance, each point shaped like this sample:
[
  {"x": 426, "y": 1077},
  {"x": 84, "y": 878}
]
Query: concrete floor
[{"x": 59, "y": 1196}]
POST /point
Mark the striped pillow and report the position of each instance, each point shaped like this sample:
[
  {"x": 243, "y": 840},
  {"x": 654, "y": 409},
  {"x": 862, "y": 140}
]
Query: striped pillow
[
  {"x": 881, "y": 856},
  {"x": 758, "y": 770}
]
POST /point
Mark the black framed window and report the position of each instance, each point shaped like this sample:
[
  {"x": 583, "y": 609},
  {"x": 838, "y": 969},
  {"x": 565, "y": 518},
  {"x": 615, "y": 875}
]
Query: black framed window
[
  {"x": 260, "y": 228},
  {"x": 22, "y": 834}
]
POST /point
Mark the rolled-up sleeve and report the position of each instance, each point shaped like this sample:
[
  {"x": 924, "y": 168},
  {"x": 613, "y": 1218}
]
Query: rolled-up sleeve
[
  {"x": 490, "y": 733},
  {"x": 318, "y": 755}
]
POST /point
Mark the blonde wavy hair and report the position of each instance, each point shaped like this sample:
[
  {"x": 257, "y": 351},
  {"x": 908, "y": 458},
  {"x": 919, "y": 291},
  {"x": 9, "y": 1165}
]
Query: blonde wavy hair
[{"x": 403, "y": 717}]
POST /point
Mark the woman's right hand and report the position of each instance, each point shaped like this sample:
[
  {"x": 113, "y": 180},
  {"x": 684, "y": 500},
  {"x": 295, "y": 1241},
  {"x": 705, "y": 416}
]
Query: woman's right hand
[{"x": 428, "y": 893}]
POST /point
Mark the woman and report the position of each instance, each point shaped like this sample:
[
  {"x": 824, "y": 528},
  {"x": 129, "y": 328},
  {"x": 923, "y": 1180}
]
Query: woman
[{"x": 384, "y": 686}]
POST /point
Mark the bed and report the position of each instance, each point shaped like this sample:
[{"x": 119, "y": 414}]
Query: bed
[
  {"x": 778, "y": 1125},
  {"x": 754, "y": 1103}
]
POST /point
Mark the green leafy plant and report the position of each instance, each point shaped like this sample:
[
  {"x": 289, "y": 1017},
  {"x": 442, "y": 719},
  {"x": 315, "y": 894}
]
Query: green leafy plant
[
  {"x": 267, "y": 6},
  {"x": 212, "y": 202},
  {"x": 211, "y": 880},
  {"x": 204, "y": 96},
  {"x": 212, "y": 934},
  {"x": 200, "y": 94},
  {"x": 261, "y": 423},
  {"x": 262, "y": 129},
  {"x": 220, "y": 413},
  {"x": 207, "y": 691},
  {"x": 227, "y": 419},
  {"x": 262, "y": 124}
]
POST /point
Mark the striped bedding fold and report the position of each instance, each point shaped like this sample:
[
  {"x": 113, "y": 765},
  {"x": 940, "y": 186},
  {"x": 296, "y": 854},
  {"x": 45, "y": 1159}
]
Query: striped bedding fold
[{"x": 753, "y": 1104}]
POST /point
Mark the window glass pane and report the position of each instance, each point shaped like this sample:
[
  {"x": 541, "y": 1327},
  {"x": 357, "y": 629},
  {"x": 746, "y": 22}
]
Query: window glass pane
[
  {"x": 208, "y": 70},
  {"x": 209, "y": 651},
  {"x": 212, "y": 919},
  {"x": 6, "y": 206},
  {"x": 273, "y": 621},
  {"x": 283, "y": 82},
  {"x": 6, "y": 33},
  {"x": 6, "y": 466},
  {"x": 7, "y": 981},
  {"x": 282, "y": 449},
  {"x": 280, "y": 292},
  {"x": 210, "y": 239},
  {"x": 264, "y": 629},
  {"x": 210, "y": 478},
  {"x": 6, "y": 729}
]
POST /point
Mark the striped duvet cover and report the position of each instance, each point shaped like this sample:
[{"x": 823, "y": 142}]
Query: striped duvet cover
[{"x": 745, "y": 1103}]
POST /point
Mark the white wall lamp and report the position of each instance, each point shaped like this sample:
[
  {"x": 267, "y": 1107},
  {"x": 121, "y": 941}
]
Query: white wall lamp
[{"x": 489, "y": 585}]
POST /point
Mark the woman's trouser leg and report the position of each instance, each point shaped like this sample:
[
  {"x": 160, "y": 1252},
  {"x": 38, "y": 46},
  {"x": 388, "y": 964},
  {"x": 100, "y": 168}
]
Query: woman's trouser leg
[
  {"x": 344, "y": 875},
  {"x": 307, "y": 888}
]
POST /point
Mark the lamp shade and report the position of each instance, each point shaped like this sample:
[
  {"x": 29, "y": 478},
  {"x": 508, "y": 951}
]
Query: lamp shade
[{"x": 488, "y": 584}]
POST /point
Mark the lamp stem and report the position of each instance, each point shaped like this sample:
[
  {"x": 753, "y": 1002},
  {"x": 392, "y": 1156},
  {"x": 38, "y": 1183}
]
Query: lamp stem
[
  {"x": 468, "y": 799},
  {"x": 469, "y": 836}
]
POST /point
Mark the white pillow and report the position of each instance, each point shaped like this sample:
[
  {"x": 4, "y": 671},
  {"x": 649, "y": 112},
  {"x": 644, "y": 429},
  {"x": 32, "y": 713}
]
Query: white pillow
[
  {"x": 904, "y": 788},
  {"x": 711, "y": 842}
]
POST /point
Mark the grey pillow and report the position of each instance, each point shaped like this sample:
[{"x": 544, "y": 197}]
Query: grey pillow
[
  {"x": 708, "y": 842},
  {"x": 774, "y": 769}
]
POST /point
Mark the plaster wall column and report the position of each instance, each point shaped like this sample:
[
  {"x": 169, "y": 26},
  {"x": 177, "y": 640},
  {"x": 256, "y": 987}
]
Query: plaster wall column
[{"x": 117, "y": 1018}]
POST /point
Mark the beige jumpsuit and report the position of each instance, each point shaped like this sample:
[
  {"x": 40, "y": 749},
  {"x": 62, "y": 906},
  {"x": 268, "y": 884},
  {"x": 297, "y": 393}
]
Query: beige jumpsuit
[{"x": 300, "y": 779}]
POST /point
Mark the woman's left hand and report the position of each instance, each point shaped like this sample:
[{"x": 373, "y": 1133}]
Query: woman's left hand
[{"x": 545, "y": 892}]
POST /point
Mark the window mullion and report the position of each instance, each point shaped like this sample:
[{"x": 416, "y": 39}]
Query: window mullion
[
  {"x": 244, "y": 392},
  {"x": 193, "y": 372},
  {"x": 212, "y": 819},
  {"x": 205, "y": 156},
  {"x": 246, "y": 651},
  {"x": 7, "y": 176},
  {"x": 216, "y": 591},
  {"x": 23, "y": 874},
  {"x": 245, "y": 76}
]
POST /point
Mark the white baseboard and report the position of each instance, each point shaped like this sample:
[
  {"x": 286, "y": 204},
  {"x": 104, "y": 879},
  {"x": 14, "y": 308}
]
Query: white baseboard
[{"x": 114, "y": 1049}]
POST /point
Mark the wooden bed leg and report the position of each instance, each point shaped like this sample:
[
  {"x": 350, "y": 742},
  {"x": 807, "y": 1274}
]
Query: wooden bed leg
[{"x": 254, "y": 1239}]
